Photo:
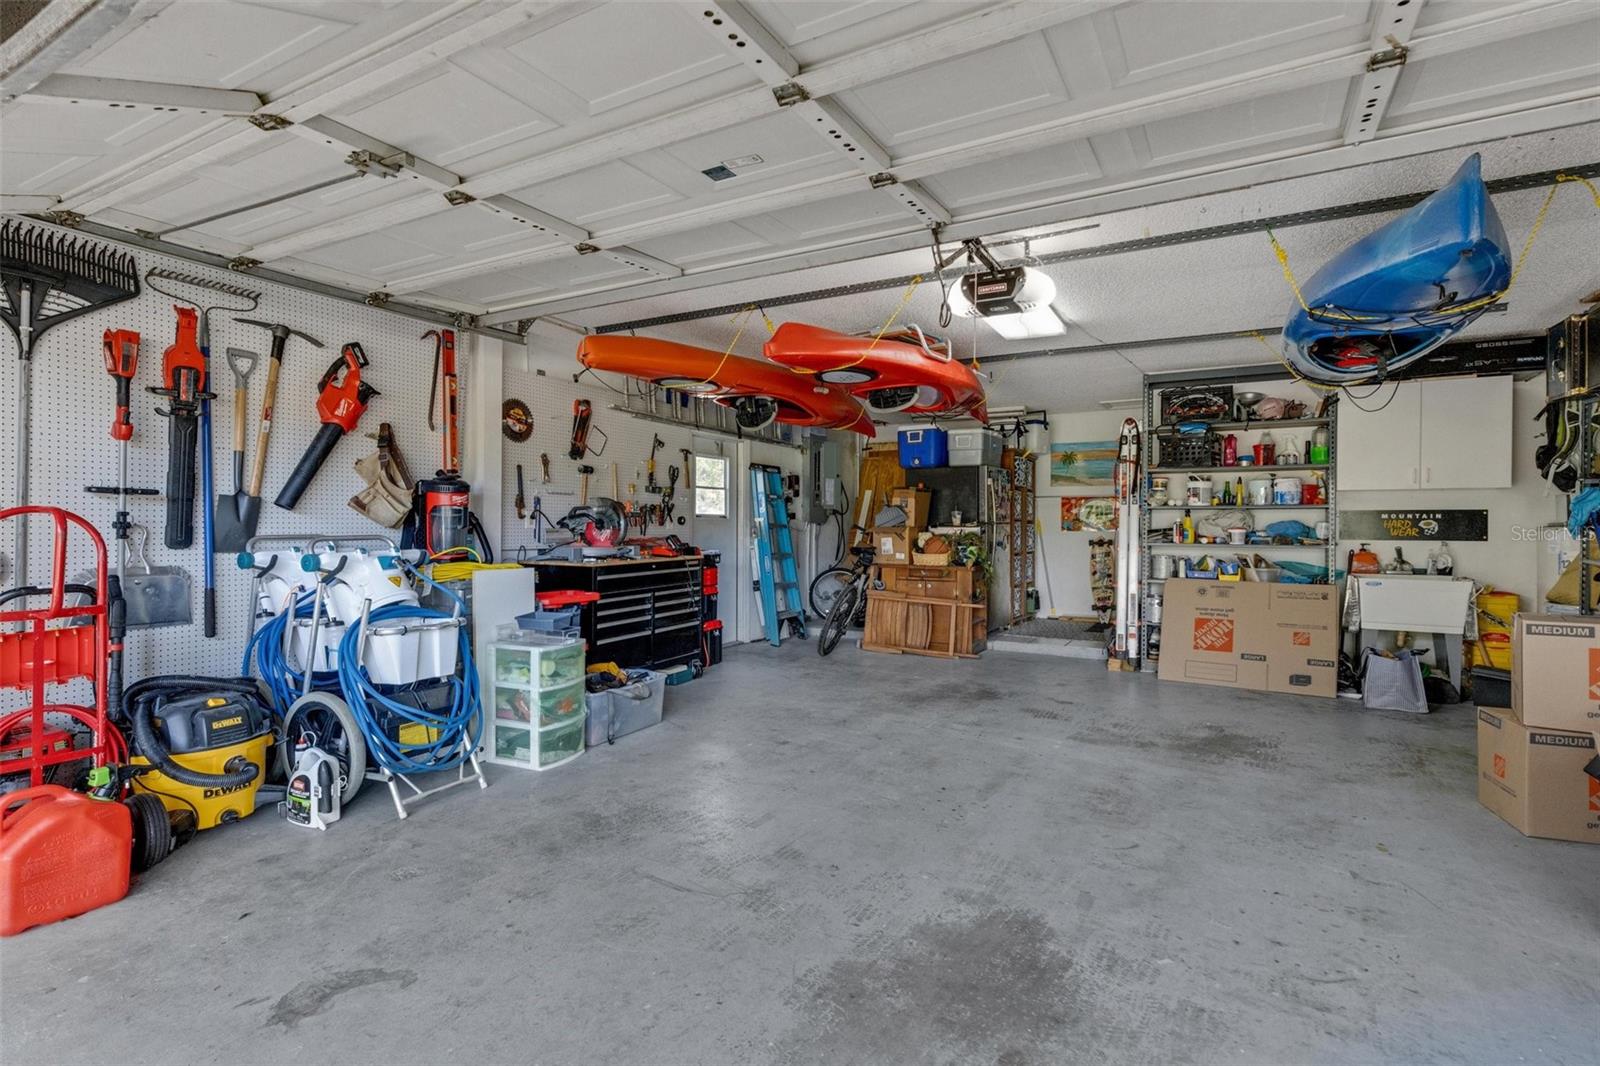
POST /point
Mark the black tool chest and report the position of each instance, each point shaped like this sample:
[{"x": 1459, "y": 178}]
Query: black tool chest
[{"x": 648, "y": 613}]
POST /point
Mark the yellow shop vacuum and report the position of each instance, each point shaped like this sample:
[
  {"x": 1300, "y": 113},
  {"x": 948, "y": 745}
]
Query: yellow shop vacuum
[{"x": 199, "y": 745}]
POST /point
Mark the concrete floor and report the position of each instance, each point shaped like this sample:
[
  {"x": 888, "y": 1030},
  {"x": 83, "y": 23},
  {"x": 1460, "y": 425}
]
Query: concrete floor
[{"x": 1021, "y": 859}]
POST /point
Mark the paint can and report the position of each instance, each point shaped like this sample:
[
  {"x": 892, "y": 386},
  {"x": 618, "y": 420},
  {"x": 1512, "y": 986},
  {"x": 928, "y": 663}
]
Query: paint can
[{"x": 1286, "y": 491}]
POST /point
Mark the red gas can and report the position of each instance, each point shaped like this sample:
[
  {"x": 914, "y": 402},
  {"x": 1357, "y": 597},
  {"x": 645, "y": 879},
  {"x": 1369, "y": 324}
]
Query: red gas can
[{"x": 61, "y": 854}]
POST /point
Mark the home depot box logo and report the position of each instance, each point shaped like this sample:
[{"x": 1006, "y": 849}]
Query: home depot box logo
[
  {"x": 1594, "y": 795},
  {"x": 1213, "y": 634}
]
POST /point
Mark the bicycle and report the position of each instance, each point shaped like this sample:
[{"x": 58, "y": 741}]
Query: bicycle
[
  {"x": 827, "y": 585},
  {"x": 848, "y": 602}
]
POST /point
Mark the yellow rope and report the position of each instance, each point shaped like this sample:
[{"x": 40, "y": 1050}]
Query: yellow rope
[
  {"x": 1277, "y": 353},
  {"x": 743, "y": 319},
  {"x": 858, "y": 360}
]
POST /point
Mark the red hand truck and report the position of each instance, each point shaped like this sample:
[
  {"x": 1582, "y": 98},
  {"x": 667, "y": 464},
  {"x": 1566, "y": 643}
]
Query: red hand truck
[{"x": 78, "y": 645}]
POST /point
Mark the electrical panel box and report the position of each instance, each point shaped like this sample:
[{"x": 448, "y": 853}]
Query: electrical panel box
[{"x": 823, "y": 492}]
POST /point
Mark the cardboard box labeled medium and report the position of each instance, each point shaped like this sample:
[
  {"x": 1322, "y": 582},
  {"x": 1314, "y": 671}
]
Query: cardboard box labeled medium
[
  {"x": 1556, "y": 672},
  {"x": 1267, "y": 637},
  {"x": 1534, "y": 778}
]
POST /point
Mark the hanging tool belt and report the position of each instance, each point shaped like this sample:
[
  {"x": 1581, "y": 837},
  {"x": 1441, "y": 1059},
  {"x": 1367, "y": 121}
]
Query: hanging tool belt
[
  {"x": 387, "y": 498},
  {"x": 183, "y": 376}
]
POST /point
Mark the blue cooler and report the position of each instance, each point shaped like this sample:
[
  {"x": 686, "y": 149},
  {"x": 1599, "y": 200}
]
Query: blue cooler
[{"x": 924, "y": 446}]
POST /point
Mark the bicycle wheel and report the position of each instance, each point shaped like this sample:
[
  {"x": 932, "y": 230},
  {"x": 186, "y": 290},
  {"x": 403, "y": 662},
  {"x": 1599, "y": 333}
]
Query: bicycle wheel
[
  {"x": 826, "y": 586},
  {"x": 838, "y": 620}
]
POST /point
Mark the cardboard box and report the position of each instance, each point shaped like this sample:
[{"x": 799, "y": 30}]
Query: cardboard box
[
  {"x": 916, "y": 503},
  {"x": 1534, "y": 778},
  {"x": 1555, "y": 681},
  {"x": 1267, "y": 637},
  {"x": 895, "y": 544}
]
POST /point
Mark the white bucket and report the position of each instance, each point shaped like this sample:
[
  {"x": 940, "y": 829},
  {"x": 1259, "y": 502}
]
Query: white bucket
[
  {"x": 437, "y": 647},
  {"x": 1236, "y": 534},
  {"x": 1260, "y": 489},
  {"x": 391, "y": 654},
  {"x": 1286, "y": 491},
  {"x": 326, "y": 658}
]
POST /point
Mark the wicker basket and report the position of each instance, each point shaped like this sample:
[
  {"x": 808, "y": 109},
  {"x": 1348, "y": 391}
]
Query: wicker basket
[{"x": 926, "y": 559}]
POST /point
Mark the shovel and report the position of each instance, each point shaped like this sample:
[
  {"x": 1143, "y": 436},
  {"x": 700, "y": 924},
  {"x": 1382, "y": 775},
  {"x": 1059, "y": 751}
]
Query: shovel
[{"x": 236, "y": 518}]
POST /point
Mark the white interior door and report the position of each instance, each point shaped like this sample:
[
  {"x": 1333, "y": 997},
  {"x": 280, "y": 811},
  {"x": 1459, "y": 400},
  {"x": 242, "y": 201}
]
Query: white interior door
[{"x": 717, "y": 524}]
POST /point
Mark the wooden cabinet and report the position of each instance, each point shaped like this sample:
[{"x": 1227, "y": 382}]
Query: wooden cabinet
[
  {"x": 1450, "y": 433},
  {"x": 927, "y": 610},
  {"x": 648, "y": 613}
]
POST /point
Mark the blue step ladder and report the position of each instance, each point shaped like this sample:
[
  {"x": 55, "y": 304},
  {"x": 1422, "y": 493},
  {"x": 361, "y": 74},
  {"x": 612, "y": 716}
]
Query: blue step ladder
[{"x": 779, "y": 578}]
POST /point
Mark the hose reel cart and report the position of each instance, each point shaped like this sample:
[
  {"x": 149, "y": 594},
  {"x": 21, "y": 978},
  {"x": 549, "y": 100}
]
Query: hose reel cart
[{"x": 360, "y": 669}]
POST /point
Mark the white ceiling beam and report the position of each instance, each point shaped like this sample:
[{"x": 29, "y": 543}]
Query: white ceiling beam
[
  {"x": 1392, "y": 26},
  {"x": 948, "y": 40},
  {"x": 1166, "y": 188},
  {"x": 739, "y": 31},
  {"x": 1346, "y": 64},
  {"x": 432, "y": 39},
  {"x": 122, "y": 92}
]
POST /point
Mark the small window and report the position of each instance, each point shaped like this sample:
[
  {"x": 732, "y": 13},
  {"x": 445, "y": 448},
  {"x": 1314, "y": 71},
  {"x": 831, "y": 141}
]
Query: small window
[{"x": 710, "y": 486}]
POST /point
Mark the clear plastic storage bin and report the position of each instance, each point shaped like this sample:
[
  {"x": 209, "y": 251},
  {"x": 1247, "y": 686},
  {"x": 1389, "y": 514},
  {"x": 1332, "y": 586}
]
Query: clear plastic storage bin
[{"x": 535, "y": 702}]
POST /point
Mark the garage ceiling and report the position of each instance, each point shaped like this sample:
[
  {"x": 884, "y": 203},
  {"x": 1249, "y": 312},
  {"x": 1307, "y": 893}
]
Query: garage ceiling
[{"x": 602, "y": 161}]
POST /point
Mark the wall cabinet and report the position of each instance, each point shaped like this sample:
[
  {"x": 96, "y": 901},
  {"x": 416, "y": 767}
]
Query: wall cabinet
[{"x": 1451, "y": 433}]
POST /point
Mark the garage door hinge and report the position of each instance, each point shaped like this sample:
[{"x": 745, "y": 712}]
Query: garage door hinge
[
  {"x": 243, "y": 263},
  {"x": 457, "y": 197},
  {"x": 586, "y": 248},
  {"x": 63, "y": 217},
  {"x": 383, "y": 166},
  {"x": 268, "y": 122},
  {"x": 790, "y": 93},
  {"x": 1393, "y": 56},
  {"x": 377, "y": 299},
  {"x": 882, "y": 181},
  {"x": 463, "y": 320}
]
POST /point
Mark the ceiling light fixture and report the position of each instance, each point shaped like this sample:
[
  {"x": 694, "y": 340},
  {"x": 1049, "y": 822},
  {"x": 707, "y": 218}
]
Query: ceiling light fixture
[{"x": 1014, "y": 301}]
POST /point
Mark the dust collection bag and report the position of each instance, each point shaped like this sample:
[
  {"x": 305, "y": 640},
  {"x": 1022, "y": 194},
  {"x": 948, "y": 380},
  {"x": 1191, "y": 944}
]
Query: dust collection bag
[{"x": 1392, "y": 684}]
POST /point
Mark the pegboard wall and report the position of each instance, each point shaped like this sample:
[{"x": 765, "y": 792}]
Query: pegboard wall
[{"x": 73, "y": 401}]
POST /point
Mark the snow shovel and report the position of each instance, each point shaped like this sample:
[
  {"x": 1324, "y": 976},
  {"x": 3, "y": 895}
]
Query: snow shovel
[{"x": 237, "y": 515}]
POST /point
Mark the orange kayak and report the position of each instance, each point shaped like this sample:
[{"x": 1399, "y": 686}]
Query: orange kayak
[
  {"x": 758, "y": 392},
  {"x": 899, "y": 372}
]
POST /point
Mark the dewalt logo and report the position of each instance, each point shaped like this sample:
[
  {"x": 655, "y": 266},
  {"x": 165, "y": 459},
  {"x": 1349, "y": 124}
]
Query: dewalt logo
[{"x": 224, "y": 723}]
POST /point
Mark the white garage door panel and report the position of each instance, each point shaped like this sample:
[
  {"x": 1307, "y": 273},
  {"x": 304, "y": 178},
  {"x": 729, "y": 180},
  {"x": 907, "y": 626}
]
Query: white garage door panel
[{"x": 1146, "y": 41}]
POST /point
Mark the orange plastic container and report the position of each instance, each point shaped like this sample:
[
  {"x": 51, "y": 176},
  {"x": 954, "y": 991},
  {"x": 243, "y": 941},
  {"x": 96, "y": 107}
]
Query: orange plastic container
[{"x": 61, "y": 854}]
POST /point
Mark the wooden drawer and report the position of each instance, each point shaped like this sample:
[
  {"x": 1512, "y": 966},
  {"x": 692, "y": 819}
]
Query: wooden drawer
[{"x": 930, "y": 582}]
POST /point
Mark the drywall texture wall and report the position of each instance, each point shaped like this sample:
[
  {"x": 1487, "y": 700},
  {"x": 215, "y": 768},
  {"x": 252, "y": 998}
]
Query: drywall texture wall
[{"x": 1063, "y": 575}]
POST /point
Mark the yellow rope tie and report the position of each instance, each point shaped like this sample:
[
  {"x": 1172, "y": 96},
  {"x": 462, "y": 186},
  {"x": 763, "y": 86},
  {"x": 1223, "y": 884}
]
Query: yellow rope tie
[
  {"x": 743, "y": 319},
  {"x": 858, "y": 360},
  {"x": 1277, "y": 353}
]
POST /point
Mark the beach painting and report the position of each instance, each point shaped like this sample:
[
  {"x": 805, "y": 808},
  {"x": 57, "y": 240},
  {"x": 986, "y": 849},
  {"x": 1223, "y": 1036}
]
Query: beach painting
[{"x": 1089, "y": 462}]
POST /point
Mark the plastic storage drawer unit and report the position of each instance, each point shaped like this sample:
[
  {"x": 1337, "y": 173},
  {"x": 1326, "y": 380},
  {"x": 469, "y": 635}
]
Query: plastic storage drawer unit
[
  {"x": 975, "y": 447},
  {"x": 536, "y": 704},
  {"x": 924, "y": 446}
]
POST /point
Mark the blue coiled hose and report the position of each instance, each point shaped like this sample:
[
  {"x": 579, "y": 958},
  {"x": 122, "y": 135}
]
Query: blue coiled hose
[
  {"x": 456, "y": 730},
  {"x": 266, "y": 646}
]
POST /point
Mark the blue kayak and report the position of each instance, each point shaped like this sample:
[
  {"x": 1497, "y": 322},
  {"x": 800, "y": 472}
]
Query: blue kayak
[{"x": 1403, "y": 289}]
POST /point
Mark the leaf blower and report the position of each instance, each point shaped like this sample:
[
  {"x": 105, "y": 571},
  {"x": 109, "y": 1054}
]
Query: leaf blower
[
  {"x": 183, "y": 383},
  {"x": 342, "y": 399}
]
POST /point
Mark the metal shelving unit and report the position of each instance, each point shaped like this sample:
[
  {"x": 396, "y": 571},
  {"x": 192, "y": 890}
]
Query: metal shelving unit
[
  {"x": 1588, "y": 539},
  {"x": 1273, "y": 373}
]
